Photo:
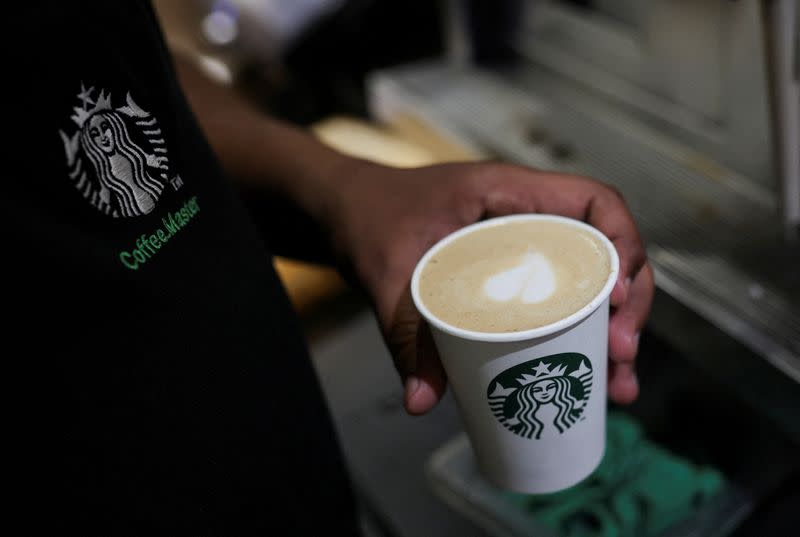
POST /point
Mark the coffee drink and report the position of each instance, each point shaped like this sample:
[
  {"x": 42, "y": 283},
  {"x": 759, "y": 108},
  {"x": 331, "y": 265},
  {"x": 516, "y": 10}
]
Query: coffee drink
[{"x": 514, "y": 276}]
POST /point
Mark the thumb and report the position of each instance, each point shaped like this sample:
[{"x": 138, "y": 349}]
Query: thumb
[
  {"x": 425, "y": 386},
  {"x": 415, "y": 358}
]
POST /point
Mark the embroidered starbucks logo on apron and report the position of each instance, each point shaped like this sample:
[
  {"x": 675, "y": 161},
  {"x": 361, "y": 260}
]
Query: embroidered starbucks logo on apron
[
  {"x": 546, "y": 393},
  {"x": 117, "y": 157}
]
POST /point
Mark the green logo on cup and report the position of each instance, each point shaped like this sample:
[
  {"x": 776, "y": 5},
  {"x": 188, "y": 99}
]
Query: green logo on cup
[{"x": 546, "y": 392}]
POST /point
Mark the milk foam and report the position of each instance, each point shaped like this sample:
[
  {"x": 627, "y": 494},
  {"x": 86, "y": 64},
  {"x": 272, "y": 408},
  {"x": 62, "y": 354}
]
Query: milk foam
[
  {"x": 515, "y": 276},
  {"x": 531, "y": 282}
]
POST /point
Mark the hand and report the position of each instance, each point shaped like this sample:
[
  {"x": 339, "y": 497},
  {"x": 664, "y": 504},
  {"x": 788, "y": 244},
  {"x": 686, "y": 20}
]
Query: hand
[{"x": 387, "y": 219}]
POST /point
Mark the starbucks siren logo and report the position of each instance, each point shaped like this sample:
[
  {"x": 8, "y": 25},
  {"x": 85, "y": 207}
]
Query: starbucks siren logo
[
  {"x": 127, "y": 159},
  {"x": 548, "y": 392}
]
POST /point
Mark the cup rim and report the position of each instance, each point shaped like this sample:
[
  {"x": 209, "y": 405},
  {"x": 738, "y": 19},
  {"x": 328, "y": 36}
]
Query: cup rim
[{"x": 532, "y": 333}]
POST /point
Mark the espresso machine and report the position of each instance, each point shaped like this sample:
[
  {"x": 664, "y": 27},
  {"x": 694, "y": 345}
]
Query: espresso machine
[{"x": 691, "y": 109}]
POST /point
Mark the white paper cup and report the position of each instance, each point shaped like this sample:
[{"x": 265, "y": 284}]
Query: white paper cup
[{"x": 545, "y": 431}]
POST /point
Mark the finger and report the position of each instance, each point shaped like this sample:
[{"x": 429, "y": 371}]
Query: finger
[
  {"x": 426, "y": 385},
  {"x": 628, "y": 319},
  {"x": 401, "y": 336},
  {"x": 624, "y": 330},
  {"x": 415, "y": 358},
  {"x": 576, "y": 197},
  {"x": 608, "y": 213},
  {"x": 623, "y": 385}
]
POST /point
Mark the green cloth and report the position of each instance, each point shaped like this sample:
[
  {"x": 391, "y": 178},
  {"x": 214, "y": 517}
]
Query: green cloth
[{"x": 638, "y": 490}]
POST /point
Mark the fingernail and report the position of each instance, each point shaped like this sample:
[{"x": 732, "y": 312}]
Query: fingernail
[
  {"x": 412, "y": 385},
  {"x": 635, "y": 341}
]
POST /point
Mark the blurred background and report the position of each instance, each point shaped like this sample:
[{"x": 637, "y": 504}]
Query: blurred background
[{"x": 689, "y": 107}]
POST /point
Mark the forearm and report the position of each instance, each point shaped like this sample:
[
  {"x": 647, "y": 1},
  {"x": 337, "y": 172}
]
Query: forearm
[{"x": 263, "y": 153}]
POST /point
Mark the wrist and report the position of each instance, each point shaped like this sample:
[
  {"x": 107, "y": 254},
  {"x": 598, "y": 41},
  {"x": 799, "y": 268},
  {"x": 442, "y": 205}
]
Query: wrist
[
  {"x": 295, "y": 165},
  {"x": 333, "y": 195},
  {"x": 324, "y": 186}
]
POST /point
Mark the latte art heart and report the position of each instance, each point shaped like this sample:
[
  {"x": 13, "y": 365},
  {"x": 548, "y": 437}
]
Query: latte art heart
[
  {"x": 533, "y": 281},
  {"x": 515, "y": 276}
]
